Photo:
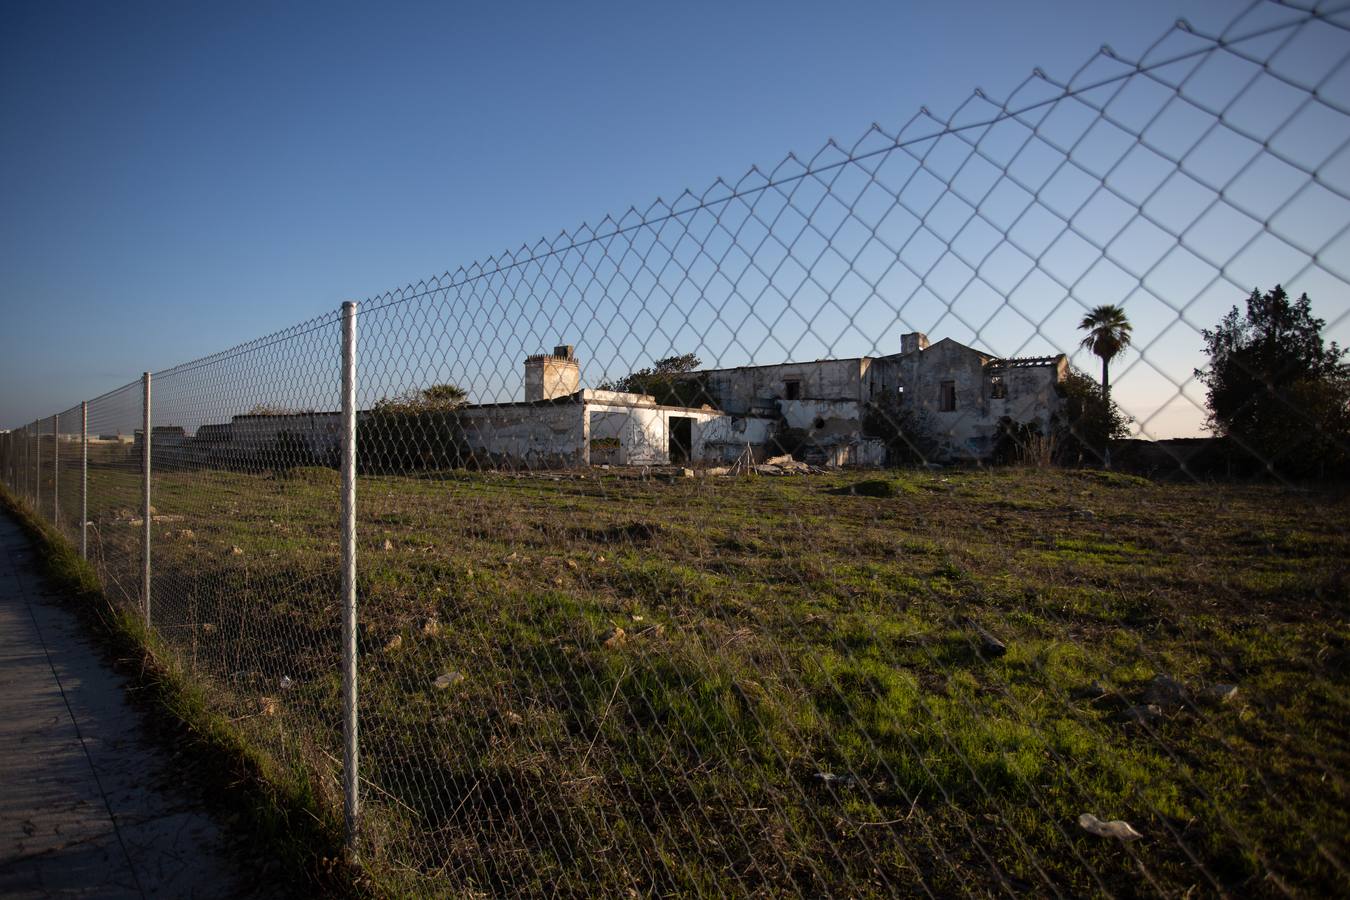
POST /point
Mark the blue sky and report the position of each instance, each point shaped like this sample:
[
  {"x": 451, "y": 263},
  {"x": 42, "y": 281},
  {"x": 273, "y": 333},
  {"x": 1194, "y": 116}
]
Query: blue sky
[{"x": 179, "y": 178}]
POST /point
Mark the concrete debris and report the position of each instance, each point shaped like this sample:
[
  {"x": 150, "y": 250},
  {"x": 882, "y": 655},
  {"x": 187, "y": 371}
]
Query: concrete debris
[
  {"x": 388, "y": 544},
  {"x": 267, "y": 706},
  {"x": 448, "y": 679},
  {"x": 287, "y": 682},
  {"x": 393, "y": 643},
  {"x": 617, "y": 639},
  {"x": 1164, "y": 691},
  {"x": 787, "y": 466},
  {"x": 1224, "y": 693},
  {"x": 514, "y": 718},
  {"x": 838, "y": 780},
  {"x": 161, "y": 520},
  {"x": 236, "y": 550},
  {"x": 1116, "y": 828},
  {"x": 989, "y": 644},
  {"x": 431, "y": 627}
]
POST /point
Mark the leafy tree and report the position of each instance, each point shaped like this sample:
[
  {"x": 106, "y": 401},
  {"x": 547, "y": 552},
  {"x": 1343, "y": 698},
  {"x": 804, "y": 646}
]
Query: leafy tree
[
  {"x": 444, "y": 396},
  {"x": 1108, "y": 333},
  {"x": 1275, "y": 388},
  {"x": 1088, "y": 422},
  {"x": 413, "y": 431},
  {"x": 673, "y": 381}
]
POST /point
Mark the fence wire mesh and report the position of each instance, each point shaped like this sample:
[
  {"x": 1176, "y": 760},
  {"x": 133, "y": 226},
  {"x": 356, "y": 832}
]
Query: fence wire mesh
[{"x": 631, "y": 621}]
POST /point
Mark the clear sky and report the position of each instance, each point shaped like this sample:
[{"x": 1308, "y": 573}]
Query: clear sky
[{"x": 176, "y": 178}]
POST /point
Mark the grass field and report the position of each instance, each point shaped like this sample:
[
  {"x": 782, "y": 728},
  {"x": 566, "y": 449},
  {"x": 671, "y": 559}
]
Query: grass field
[{"x": 777, "y": 685}]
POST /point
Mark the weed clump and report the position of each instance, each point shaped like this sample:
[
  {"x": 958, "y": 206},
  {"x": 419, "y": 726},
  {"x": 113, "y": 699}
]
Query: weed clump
[{"x": 875, "y": 487}]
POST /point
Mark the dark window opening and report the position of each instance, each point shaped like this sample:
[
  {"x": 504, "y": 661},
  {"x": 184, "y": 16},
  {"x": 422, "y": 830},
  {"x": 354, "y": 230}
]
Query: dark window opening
[
  {"x": 948, "y": 396},
  {"x": 998, "y": 389},
  {"x": 792, "y": 389},
  {"x": 818, "y": 424}
]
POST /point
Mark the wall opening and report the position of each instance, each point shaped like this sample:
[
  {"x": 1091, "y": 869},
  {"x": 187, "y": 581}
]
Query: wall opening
[
  {"x": 792, "y": 389},
  {"x": 681, "y": 439}
]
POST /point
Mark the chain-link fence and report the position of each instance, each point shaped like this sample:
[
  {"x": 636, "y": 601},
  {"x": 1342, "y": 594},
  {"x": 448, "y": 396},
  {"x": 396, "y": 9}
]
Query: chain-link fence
[{"x": 781, "y": 538}]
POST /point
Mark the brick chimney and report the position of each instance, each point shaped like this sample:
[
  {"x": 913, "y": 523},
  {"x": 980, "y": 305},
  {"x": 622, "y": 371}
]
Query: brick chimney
[{"x": 915, "y": 340}]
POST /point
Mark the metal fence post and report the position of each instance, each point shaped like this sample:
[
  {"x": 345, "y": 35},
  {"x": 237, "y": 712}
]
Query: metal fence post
[
  {"x": 350, "y": 756},
  {"x": 37, "y": 467},
  {"x": 56, "y": 472},
  {"x": 145, "y": 503},
  {"x": 84, "y": 479}
]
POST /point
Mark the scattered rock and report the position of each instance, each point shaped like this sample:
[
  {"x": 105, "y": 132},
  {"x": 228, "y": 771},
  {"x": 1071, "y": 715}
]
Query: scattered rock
[
  {"x": 187, "y": 534},
  {"x": 1164, "y": 691},
  {"x": 572, "y": 564},
  {"x": 513, "y": 718},
  {"x": 717, "y": 471},
  {"x": 448, "y": 679},
  {"x": 393, "y": 643},
  {"x": 989, "y": 645},
  {"x": 287, "y": 682},
  {"x": 208, "y": 628},
  {"x": 1142, "y": 714},
  {"x": 1224, "y": 693},
  {"x": 160, "y": 520},
  {"x": 136, "y": 522},
  {"x": 837, "y": 780},
  {"x": 236, "y": 550},
  {"x": 1116, "y": 828},
  {"x": 1083, "y": 513},
  {"x": 267, "y": 706},
  {"x": 388, "y": 544},
  {"x": 431, "y": 627},
  {"x": 1093, "y": 691},
  {"x": 616, "y": 639}
]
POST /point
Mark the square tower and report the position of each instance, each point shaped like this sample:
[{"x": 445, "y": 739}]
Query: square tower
[{"x": 551, "y": 375}]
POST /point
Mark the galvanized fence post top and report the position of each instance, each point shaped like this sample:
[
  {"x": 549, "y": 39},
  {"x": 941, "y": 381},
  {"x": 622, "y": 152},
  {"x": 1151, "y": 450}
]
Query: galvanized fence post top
[{"x": 761, "y": 541}]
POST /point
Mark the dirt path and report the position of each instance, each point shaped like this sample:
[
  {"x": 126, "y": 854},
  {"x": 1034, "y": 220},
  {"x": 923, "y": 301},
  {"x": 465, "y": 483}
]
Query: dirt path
[{"x": 89, "y": 807}]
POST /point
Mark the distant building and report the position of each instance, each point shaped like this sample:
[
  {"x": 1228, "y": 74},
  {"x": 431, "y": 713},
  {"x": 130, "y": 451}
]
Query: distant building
[{"x": 817, "y": 410}]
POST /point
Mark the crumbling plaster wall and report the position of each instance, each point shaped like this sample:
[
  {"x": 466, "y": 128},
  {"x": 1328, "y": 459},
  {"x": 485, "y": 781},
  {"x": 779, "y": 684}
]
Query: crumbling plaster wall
[
  {"x": 752, "y": 387},
  {"x": 534, "y": 435},
  {"x": 723, "y": 438},
  {"x": 644, "y": 429}
]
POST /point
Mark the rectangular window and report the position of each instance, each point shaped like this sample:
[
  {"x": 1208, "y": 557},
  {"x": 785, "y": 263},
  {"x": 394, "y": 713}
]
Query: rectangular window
[
  {"x": 948, "y": 396},
  {"x": 998, "y": 389},
  {"x": 792, "y": 389}
]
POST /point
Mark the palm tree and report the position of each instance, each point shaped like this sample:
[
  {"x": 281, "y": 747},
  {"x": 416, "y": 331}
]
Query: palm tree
[{"x": 1108, "y": 333}]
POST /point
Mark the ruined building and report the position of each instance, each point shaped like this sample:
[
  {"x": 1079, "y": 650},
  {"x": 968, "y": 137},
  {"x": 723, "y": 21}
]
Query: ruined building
[
  {"x": 818, "y": 410},
  {"x": 825, "y": 412}
]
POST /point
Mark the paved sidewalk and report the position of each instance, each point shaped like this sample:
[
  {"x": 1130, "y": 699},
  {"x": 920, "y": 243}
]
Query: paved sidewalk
[{"x": 88, "y": 805}]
